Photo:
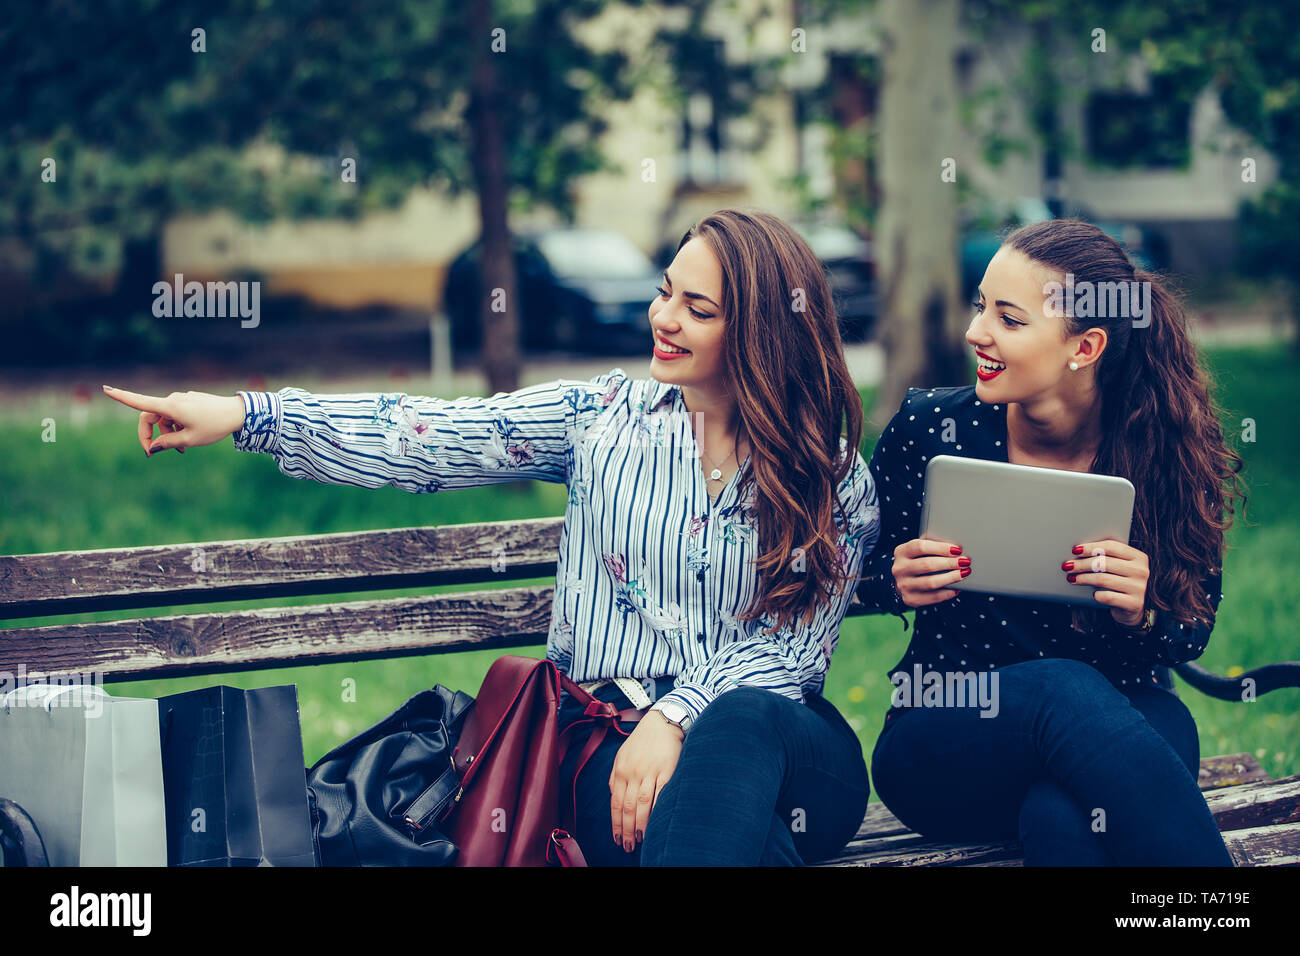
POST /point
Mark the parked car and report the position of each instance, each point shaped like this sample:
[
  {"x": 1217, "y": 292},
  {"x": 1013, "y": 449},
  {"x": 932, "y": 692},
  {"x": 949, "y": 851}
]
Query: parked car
[
  {"x": 984, "y": 225},
  {"x": 580, "y": 290},
  {"x": 1146, "y": 248}
]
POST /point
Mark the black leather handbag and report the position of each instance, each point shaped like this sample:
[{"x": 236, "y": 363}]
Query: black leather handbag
[
  {"x": 361, "y": 794},
  {"x": 20, "y": 841}
]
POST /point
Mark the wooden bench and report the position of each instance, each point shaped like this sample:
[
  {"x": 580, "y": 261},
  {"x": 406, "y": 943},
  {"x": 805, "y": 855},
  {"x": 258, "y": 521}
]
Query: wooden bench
[{"x": 1259, "y": 817}]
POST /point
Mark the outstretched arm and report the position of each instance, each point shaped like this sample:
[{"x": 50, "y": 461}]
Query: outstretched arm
[{"x": 415, "y": 443}]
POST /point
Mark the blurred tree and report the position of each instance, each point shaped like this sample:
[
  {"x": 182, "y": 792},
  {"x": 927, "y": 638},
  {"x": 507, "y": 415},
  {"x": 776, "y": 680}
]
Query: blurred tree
[
  {"x": 916, "y": 231},
  {"x": 146, "y": 117},
  {"x": 894, "y": 108}
]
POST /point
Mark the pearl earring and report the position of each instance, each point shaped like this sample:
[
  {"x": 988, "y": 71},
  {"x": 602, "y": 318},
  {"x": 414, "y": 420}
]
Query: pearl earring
[{"x": 1074, "y": 366}]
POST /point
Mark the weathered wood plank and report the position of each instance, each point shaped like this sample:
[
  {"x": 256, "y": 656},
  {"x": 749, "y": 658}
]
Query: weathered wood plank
[
  {"x": 1264, "y": 803},
  {"x": 879, "y": 822},
  {"x": 904, "y": 853},
  {"x": 65, "y": 582},
  {"x": 1260, "y": 822},
  {"x": 1265, "y": 846},
  {"x": 188, "y": 644},
  {"x": 1251, "y": 804},
  {"x": 1230, "y": 770},
  {"x": 68, "y": 582},
  {"x": 1277, "y": 845}
]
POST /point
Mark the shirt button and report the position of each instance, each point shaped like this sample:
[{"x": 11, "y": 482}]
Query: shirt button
[{"x": 700, "y": 635}]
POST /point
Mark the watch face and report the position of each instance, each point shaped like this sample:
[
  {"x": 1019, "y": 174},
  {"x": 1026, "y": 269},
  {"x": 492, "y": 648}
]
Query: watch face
[{"x": 674, "y": 712}]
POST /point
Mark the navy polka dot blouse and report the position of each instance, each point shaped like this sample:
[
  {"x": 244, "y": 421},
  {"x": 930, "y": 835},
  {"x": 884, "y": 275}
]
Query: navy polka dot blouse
[{"x": 979, "y": 632}]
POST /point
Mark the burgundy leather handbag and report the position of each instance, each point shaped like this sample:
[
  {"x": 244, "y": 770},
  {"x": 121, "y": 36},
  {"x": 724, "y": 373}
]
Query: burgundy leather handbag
[{"x": 508, "y": 810}]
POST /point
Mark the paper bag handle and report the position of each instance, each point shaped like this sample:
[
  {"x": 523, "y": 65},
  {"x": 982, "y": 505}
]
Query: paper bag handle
[{"x": 51, "y": 691}]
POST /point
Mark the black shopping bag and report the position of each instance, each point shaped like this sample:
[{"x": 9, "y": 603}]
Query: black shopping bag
[{"x": 233, "y": 781}]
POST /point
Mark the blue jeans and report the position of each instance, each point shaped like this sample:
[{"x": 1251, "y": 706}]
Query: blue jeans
[
  {"x": 761, "y": 780},
  {"x": 1080, "y": 773}
]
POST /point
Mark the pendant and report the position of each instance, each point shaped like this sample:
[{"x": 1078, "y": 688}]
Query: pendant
[{"x": 715, "y": 474}]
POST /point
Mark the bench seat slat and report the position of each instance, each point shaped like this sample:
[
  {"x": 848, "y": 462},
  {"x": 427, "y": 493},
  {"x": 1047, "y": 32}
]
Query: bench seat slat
[
  {"x": 1277, "y": 845},
  {"x": 1263, "y": 803},
  {"x": 1230, "y": 770},
  {"x": 926, "y": 853},
  {"x": 1260, "y": 822}
]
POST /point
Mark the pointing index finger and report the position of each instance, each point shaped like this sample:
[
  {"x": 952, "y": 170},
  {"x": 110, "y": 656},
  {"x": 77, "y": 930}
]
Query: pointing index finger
[{"x": 145, "y": 403}]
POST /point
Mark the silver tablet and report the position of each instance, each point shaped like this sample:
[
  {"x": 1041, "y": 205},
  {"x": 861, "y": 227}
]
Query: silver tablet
[{"x": 1017, "y": 523}]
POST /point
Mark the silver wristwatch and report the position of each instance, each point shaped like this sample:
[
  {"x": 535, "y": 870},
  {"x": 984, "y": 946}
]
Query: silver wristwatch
[{"x": 675, "y": 713}]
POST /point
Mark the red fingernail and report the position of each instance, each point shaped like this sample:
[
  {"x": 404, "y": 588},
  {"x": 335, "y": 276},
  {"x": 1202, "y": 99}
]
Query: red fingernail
[
  {"x": 965, "y": 571},
  {"x": 1077, "y": 549},
  {"x": 963, "y": 562},
  {"x": 954, "y": 549},
  {"x": 1067, "y": 565},
  {"x": 1071, "y": 577}
]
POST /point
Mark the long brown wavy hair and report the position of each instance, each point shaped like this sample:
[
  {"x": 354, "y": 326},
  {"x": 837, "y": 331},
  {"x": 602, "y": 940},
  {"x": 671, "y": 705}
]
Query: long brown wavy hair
[
  {"x": 1159, "y": 421},
  {"x": 794, "y": 395}
]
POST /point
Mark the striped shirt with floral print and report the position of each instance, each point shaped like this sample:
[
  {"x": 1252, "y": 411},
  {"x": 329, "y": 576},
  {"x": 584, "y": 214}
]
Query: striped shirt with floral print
[{"x": 651, "y": 574}]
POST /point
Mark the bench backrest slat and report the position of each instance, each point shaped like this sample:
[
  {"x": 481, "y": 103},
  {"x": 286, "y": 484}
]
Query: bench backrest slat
[
  {"x": 67, "y": 582},
  {"x": 190, "y": 644}
]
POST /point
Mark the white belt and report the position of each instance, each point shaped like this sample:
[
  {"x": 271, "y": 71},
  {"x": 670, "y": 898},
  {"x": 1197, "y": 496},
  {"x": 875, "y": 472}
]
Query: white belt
[{"x": 631, "y": 689}]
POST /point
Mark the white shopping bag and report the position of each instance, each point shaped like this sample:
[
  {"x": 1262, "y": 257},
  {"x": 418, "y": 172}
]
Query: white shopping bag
[{"x": 87, "y": 768}]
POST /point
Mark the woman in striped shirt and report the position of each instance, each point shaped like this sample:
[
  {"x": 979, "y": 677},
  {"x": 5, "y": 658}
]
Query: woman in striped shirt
[{"x": 716, "y": 525}]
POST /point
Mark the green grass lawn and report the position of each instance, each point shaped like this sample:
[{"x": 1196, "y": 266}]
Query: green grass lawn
[{"x": 94, "y": 488}]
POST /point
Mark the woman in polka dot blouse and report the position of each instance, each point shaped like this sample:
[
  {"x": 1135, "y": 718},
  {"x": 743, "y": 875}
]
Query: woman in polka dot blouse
[{"x": 1071, "y": 744}]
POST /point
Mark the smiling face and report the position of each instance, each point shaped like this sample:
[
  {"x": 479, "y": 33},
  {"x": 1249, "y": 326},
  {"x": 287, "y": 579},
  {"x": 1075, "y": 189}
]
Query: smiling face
[
  {"x": 1011, "y": 328},
  {"x": 686, "y": 313}
]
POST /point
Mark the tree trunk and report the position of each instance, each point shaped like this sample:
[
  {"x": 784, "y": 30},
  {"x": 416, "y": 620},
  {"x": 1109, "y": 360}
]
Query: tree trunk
[
  {"x": 500, "y": 338},
  {"x": 922, "y": 324}
]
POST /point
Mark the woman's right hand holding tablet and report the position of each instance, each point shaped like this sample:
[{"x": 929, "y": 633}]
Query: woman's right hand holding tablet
[
  {"x": 924, "y": 569},
  {"x": 185, "y": 419}
]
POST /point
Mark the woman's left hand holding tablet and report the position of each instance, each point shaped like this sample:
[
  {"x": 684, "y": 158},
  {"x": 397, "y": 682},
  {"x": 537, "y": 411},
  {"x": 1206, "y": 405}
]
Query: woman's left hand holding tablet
[{"x": 1118, "y": 570}]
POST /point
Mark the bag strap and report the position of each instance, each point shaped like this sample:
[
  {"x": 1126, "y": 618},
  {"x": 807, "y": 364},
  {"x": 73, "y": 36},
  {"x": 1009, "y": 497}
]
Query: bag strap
[
  {"x": 440, "y": 797},
  {"x": 630, "y": 714},
  {"x": 607, "y": 717},
  {"x": 436, "y": 801}
]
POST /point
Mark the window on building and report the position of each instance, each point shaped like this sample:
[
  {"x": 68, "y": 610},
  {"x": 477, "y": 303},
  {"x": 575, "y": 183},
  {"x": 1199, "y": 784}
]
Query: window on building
[{"x": 1150, "y": 130}]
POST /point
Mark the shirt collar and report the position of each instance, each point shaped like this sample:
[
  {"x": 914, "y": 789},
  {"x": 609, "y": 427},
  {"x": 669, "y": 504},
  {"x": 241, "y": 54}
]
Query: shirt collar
[{"x": 659, "y": 392}]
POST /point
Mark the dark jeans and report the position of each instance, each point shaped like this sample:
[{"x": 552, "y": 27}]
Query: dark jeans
[
  {"x": 761, "y": 780},
  {"x": 1080, "y": 773}
]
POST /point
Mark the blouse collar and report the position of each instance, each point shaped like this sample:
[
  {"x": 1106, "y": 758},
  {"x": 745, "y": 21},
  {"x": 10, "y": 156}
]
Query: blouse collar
[{"x": 660, "y": 392}]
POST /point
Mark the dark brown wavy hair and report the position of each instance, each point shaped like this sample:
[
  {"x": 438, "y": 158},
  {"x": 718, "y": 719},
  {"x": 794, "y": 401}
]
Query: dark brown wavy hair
[
  {"x": 1159, "y": 421},
  {"x": 794, "y": 396}
]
